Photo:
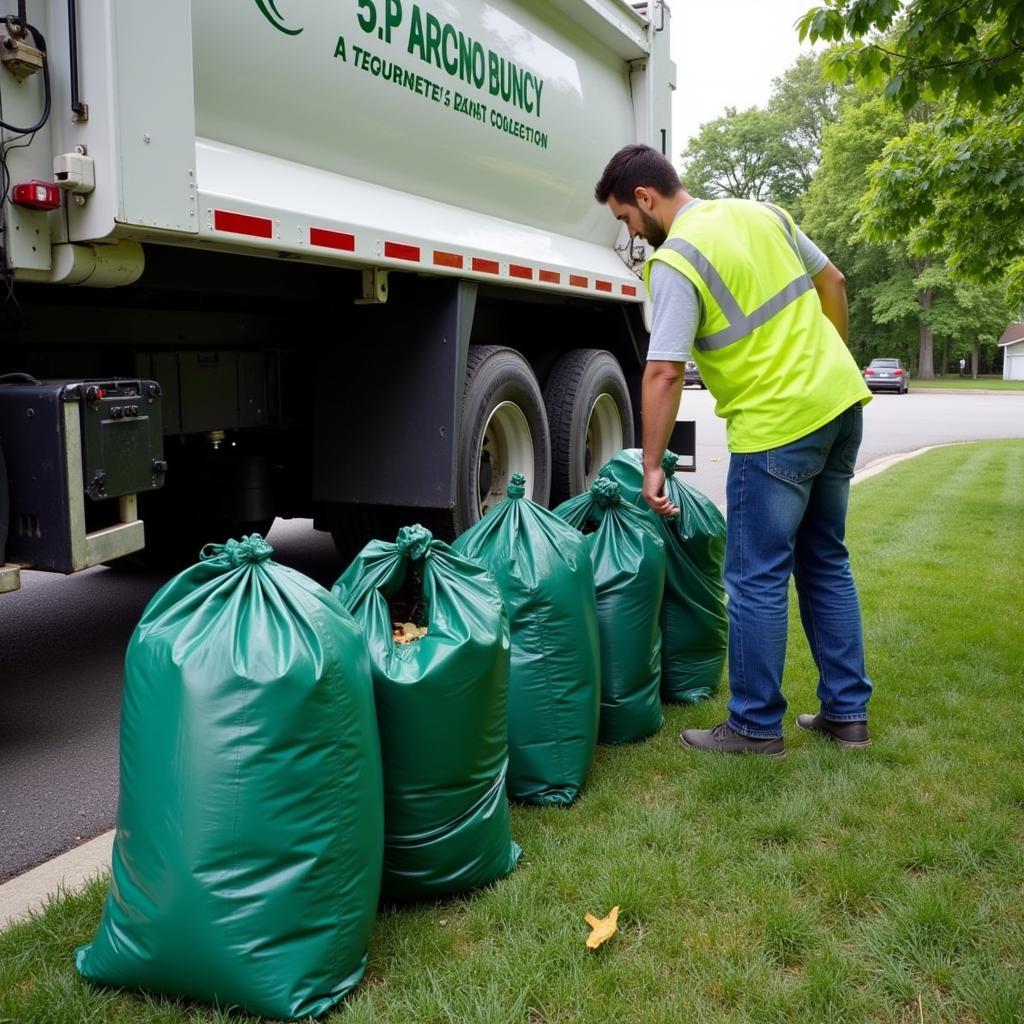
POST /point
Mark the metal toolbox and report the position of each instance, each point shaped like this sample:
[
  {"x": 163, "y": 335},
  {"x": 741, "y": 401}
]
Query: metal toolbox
[{"x": 77, "y": 453}]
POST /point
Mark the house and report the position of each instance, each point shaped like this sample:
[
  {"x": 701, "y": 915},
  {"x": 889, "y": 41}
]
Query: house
[{"x": 1012, "y": 344}]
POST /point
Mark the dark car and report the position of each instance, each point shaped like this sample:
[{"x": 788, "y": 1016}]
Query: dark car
[
  {"x": 887, "y": 375},
  {"x": 691, "y": 375}
]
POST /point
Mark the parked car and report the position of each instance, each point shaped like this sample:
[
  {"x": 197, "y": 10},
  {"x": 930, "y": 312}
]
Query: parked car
[
  {"x": 887, "y": 375},
  {"x": 691, "y": 375}
]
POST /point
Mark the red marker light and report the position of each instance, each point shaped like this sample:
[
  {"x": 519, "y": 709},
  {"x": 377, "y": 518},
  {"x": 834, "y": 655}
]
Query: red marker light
[
  {"x": 100, "y": 393},
  {"x": 36, "y": 195}
]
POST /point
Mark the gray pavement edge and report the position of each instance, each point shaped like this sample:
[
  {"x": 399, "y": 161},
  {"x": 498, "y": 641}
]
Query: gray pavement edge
[{"x": 28, "y": 893}]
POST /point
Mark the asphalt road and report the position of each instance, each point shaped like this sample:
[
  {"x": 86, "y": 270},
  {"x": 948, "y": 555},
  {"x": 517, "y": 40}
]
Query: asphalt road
[
  {"x": 62, "y": 639},
  {"x": 892, "y": 424}
]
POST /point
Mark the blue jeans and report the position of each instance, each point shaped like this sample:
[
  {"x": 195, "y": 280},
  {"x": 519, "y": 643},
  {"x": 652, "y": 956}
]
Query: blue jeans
[{"x": 787, "y": 516}]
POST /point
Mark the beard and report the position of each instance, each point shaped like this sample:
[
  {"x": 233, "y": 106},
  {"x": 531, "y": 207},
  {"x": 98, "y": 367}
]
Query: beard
[{"x": 652, "y": 231}]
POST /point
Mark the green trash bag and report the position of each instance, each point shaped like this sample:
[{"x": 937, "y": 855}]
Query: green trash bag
[
  {"x": 694, "y": 624},
  {"x": 247, "y": 860},
  {"x": 441, "y": 709},
  {"x": 629, "y": 576},
  {"x": 543, "y": 568}
]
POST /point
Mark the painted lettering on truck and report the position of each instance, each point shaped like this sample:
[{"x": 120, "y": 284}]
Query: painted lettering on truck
[
  {"x": 439, "y": 44},
  {"x": 449, "y": 49}
]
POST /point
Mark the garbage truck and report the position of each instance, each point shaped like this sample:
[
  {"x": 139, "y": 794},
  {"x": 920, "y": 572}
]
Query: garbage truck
[{"x": 288, "y": 258}]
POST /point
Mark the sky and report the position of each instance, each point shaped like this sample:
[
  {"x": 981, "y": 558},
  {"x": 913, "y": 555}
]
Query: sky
[{"x": 727, "y": 52}]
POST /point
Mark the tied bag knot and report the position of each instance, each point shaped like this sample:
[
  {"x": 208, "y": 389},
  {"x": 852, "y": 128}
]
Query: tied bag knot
[
  {"x": 605, "y": 492},
  {"x": 252, "y": 550},
  {"x": 414, "y": 541},
  {"x": 516, "y": 486}
]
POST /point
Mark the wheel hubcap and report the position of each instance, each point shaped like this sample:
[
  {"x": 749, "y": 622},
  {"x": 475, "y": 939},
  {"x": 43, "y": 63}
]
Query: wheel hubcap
[
  {"x": 506, "y": 448},
  {"x": 604, "y": 436}
]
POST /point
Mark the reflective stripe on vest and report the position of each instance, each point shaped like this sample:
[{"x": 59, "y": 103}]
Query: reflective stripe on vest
[
  {"x": 791, "y": 373},
  {"x": 741, "y": 325},
  {"x": 788, "y": 227}
]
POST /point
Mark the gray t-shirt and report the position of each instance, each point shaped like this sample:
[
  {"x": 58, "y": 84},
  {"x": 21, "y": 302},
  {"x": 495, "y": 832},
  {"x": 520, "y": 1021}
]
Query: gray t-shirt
[{"x": 678, "y": 310}]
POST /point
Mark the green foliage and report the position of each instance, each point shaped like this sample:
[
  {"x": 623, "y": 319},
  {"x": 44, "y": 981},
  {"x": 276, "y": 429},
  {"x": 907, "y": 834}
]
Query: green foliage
[
  {"x": 964, "y": 311},
  {"x": 770, "y": 153},
  {"x": 741, "y": 155},
  {"x": 893, "y": 288},
  {"x": 804, "y": 102},
  {"x": 969, "y": 50},
  {"x": 955, "y": 183},
  {"x": 877, "y": 274}
]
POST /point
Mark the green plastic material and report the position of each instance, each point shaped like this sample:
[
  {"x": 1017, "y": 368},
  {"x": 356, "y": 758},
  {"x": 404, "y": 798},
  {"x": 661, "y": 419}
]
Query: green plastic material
[
  {"x": 441, "y": 709},
  {"x": 629, "y": 575},
  {"x": 694, "y": 623},
  {"x": 543, "y": 568},
  {"x": 247, "y": 860}
]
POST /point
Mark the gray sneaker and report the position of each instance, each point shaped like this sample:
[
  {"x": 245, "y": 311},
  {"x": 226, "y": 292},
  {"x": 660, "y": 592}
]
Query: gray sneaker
[
  {"x": 726, "y": 740},
  {"x": 853, "y": 735}
]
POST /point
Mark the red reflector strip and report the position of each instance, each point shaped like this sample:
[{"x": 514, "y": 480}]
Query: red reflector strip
[
  {"x": 397, "y": 251},
  {"x": 550, "y": 277},
  {"x": 243, "y": 224},
  {"x": 629, "y": 289},
  {"x": 603, "y": 286},
  {"x": 575, "y": 281},
  {"x": 332, "y": 239},
  {"x": 515, "y": 270},
  {"x": 448, "y": 259},
  {"x": 486, "y": 266}
]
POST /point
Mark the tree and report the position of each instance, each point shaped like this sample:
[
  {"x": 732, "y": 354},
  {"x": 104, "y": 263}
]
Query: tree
[
  {"x": 766, "y": 153},
  {"x": 742, "y": 155},
  {"x": 953, "y": 182},
  {"x": 900, "y": 302},
  {"x": 971, "y": 50},
  {"x": 968, "y": 315},
  {"x": 875, "y": 273},
  {"x": 956, "y": 183},
  {"x": 947, "y": 308},
  {"x": 805, "y": 102}
]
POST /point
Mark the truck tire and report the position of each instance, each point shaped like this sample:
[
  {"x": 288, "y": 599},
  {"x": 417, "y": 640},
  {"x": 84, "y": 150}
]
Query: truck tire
[
  {"x": 590, "y": 415},
  {"x": 504, "y": 430}
]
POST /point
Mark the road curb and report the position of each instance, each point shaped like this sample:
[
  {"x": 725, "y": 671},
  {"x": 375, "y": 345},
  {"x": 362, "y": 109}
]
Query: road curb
[
  {"x": 28, "y": 893},
  {"x": 882, "y": 464}
]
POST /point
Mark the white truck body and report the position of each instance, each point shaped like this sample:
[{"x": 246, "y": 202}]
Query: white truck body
[{"x": 458, "y": 139}]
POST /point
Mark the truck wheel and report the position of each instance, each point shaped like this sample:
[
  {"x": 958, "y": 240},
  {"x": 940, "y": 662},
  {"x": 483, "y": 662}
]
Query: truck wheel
[
  {"x": 504, "y": 431},
  {"x": 591, "y": 418}
]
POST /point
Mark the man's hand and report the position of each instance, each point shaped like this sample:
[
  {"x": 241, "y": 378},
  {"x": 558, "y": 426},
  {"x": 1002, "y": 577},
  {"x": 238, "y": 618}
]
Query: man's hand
[
  {"x": 654, "y": 492},
  {"x": 661, "y": 390}
]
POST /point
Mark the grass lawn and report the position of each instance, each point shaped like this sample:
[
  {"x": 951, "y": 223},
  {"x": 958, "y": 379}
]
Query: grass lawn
[
  {"x": 955, "y": 383},
  {"x": 833, "y": 886}
]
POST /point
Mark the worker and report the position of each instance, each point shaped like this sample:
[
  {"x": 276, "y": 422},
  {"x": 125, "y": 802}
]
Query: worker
[{"x": 764, "y": 314}]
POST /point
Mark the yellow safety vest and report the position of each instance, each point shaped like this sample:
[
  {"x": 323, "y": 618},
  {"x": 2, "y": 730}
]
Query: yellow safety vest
[{"x": 774, "y": 362}]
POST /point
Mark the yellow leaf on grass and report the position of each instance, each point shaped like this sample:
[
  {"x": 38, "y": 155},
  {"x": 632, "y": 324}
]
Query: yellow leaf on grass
[{"x": 602, "y": 928}]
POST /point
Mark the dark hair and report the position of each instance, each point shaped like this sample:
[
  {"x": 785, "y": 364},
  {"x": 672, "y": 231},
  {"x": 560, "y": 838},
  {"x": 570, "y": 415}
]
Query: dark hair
[{"x": 636, "y": 167}]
